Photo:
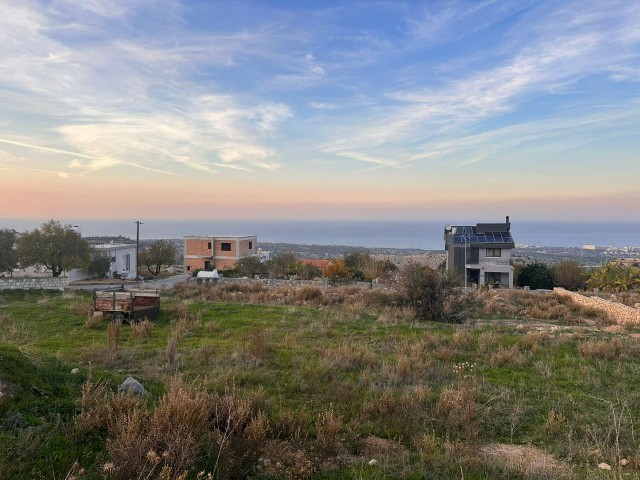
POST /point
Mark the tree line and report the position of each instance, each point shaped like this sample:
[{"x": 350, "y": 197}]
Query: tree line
[
  {"x": 569, "y": 274},
  {"x": 60, "y": 248}
]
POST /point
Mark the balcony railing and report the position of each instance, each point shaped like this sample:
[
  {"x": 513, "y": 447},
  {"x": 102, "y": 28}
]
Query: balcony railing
[{"x": 499, "y": 262}]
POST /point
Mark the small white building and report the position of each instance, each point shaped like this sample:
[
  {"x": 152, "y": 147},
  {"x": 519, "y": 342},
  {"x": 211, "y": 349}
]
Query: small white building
[
  {"x": 122, "y": 261},
  {"x": 122, "y": 258}
]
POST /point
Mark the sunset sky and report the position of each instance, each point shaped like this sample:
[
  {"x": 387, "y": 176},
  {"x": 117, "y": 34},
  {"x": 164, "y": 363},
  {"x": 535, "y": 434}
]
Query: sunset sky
[{"x": 320, "y": 109}]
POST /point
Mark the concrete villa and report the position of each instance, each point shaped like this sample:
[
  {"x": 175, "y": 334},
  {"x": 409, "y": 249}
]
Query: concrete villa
[
  {"x": 481, "y": 253},
  {"x": 206, "y": 252}
]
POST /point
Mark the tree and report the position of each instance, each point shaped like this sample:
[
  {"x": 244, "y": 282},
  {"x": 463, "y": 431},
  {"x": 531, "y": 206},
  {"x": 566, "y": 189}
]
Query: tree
[
  {"x": 250, "y": 267},
  {"x": 306, "y": 271},
  {"x": 536, "y": 276},
  {"x": 8, "y": 255},
  {"x": 159, "y": 253},
  {"x": 435, "y": 296},
  {"x": 99, "y": 265},
  {"x": 55, "y": 246},
  {"x": 282, "y": 265},
  {"x": 612, "y": 277},
  {"x": 336, "y": 269},
  {"x": 570, "y": 275}
]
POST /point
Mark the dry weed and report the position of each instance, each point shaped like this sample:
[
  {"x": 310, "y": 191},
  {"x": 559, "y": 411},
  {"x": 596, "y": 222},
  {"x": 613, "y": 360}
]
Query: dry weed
[
  {"x": 114, "y": 334},
  {"x": 141, "y": 329},
  {"x": 458, "y": 405},
  {"x": 600, "y": 349},
  {"x": 93, "y": 321},
  {"x": 328, "y": 428},
  {"x": 81, "y": 309},
  {"x": 349, "y": 356}
]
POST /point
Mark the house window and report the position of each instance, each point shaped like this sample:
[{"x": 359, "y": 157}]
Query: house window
[
  {"x": 225, "y": 246},
  {"x": 188, "y": 268},
  {"x": 250, "y": 245},
  {"x": 494, "y": 252},
  {"x": 209, "y": 245},
  {"x": 127, "y": 262}
]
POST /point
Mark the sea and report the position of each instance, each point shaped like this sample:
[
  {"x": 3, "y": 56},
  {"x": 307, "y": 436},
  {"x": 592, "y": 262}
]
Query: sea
[{"x": 407, "y": 234}]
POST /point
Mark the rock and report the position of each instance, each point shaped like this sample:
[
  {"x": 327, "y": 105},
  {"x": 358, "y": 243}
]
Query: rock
[
  {"x": 133, "y": 386},
  {"x": 75, "y": 371},
  {"x": 373, "y": 461},
  {"x": 624, "y": 462},
  {"x": 604, "y": 466},
  {"x": 520, "y": 327}
]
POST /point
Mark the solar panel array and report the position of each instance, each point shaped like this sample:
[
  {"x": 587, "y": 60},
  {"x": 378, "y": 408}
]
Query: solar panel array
[{"x": 487, "y": 237}]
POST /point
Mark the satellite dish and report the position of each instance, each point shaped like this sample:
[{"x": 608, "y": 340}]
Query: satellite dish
[{"x": 447, "y": 227}]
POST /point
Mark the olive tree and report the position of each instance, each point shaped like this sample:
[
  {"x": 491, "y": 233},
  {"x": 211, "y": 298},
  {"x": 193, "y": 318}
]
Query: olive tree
[
  {"x": 8, "y": 255},
  {"x": 159, "y": 253},
  {"x": 55, "y": 246}
]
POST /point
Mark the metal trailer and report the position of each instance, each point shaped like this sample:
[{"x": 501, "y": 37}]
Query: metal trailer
[{"x": 127, "y": 305}]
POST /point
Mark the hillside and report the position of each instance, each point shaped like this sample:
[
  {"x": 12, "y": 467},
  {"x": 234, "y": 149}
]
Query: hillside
[{"x": 306, "y": 383}]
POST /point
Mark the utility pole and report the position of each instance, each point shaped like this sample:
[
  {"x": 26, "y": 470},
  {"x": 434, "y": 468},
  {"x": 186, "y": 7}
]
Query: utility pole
[{"x": 138, "y": 223}]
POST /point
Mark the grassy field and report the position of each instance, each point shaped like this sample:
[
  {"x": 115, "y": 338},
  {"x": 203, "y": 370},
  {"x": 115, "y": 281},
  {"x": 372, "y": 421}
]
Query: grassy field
[{"x": 304, "y": 384}]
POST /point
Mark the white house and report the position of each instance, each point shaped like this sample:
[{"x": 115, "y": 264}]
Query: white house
[
  {"x": 481, "y": 253},
  {"x": 122, "y": 261},
  {"x": 122, "y": 258}
]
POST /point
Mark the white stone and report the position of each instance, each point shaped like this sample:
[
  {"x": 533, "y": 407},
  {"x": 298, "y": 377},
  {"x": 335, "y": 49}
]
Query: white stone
[
  {"x": 604, "y": 466},
  {"x": 75, "y": 371},
  {"x": 373, "y": 461},
  {"x": 624, "y": 462}
]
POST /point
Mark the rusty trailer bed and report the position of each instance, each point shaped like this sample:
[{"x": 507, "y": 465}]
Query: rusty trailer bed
[{"x": 127, "y": 304}]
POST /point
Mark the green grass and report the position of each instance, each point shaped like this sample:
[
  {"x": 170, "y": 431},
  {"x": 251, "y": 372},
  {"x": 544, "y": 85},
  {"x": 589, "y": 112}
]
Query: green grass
[{"x": 384, "y": 380}]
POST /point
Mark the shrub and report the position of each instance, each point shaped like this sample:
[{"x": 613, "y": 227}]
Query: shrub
[
  {"x": 435, "y": 296},
  {"x": 536, "y": 276},
  {"x": 600, "y": 349},
  {"x": 141, "y": 329}
]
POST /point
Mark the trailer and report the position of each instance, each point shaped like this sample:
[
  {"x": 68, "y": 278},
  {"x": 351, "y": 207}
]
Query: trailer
[{"x": 126, "y": 305}]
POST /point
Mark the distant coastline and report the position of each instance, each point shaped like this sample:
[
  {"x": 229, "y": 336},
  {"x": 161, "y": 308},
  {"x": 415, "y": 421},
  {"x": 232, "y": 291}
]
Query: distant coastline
[{"x": 403, "y": 234}]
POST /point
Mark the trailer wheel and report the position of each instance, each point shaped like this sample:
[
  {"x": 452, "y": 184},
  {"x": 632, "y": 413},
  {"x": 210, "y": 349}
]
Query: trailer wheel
[{"x": 118, "y": 317}]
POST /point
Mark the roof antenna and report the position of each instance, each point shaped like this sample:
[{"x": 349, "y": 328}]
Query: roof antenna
[{"x": 508, "y": 224}]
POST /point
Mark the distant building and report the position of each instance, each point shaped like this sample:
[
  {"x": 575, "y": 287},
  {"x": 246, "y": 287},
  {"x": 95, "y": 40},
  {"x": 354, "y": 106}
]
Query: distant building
[
  {"x": 122, "y": 261},
  {"x": 481, "y": 253},
  {"x": 207, "y": 252}
]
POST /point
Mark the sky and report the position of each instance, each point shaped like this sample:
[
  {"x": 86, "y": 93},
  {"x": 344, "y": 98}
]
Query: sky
[{"x": 192, "y": 110}]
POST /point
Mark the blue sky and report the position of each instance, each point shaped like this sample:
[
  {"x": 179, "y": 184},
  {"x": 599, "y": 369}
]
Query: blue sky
[{"x": 320, "y": 109}]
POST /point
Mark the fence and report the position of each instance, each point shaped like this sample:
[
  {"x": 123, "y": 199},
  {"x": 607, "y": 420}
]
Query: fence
[{"x": 39, "y": 283}]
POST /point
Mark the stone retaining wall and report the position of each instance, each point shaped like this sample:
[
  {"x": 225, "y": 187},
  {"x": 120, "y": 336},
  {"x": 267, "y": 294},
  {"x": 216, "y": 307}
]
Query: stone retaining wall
[
  {"x": 41, "y": 283},
  {"x": 295, "y": 283},
  {"x": 622, "y": 314}
]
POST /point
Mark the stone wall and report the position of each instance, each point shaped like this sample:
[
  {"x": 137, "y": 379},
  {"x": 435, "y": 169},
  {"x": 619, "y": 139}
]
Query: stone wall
[
  {"x": 40, "y": 283},
  {"x": 622, "y": 314},
  {"x": 295, "y": 283}
]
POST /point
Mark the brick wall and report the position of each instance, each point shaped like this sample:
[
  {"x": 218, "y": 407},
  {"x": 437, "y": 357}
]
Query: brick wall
[
  {"x": 622, "y": 314},
  {"x": 228, "y": 253},
  {"x": 196, "y": 246},
  {"x": 42, "y": 283}
]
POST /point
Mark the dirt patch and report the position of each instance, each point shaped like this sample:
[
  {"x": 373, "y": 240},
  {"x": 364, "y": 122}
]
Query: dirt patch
[{"x": 525, "y": 459}]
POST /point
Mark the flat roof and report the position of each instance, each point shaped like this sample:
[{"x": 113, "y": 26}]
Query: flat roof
[{"x": 220, "y": 236}]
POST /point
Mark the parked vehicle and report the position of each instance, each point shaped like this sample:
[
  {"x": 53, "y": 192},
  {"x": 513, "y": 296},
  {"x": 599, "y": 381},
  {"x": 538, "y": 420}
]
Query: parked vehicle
[{"x": 127, "y": 306}]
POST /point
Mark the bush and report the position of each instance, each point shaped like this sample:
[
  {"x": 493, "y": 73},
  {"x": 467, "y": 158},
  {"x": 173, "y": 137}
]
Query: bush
[
  {"x": 536, "y": 276},
  {"x": 434, "y": 296}
]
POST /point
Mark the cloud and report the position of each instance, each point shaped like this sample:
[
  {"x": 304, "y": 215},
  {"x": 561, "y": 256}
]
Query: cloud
[{"x": 322, "y": 105}]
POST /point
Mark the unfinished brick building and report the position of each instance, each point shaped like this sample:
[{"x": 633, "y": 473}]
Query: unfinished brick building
[{"x": 206, "y": 252}]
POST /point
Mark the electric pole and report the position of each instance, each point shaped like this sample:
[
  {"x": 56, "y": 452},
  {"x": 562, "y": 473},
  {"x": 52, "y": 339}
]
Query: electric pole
[{"x": 138, "y": 223}]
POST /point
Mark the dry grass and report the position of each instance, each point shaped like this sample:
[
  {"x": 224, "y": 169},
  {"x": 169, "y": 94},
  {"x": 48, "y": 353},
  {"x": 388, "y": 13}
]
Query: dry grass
[
  {"x": 114, "y": 334},
  {"x": 349, "y": 356},
  {"x": 82, "y": 309},
  {"x": 141, "y": 330},
  {"x": 93, "y": 321},
  {"x": 540, "y": 306},
  {"x": 525, "y": 460},
  {"x": 600, "y": 349},
  {"x": 185, "y": 426},
  {"x": 458, "y": 406}
]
